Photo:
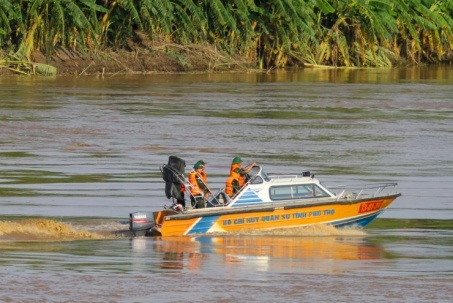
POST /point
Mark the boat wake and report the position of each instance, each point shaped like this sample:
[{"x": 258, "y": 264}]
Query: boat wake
[
  {"x": 46, "y": 230},
  {"x": 318, "y": 230}
]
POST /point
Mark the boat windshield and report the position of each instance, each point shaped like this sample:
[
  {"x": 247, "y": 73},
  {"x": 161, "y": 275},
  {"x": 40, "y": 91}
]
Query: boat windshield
[{"x": 257, "y": 175}]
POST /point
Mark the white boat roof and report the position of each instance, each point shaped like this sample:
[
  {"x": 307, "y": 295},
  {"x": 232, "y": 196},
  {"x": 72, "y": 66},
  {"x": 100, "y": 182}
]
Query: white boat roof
[{"x": 264, "y": 189}]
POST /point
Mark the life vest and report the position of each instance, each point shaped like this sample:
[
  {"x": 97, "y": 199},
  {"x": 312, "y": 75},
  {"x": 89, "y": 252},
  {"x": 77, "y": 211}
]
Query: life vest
[
  {"x": 194, "y": 188},
  {"x": 235, "y": 175},
  {"x": 229, "y": 189},
  {"x": 203, "y": 176}
]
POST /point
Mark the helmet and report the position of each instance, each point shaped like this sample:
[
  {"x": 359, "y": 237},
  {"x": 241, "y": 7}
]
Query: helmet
[
  {"x": 237, "y": 160},
  {"x": 198, "y": 165},
  {"x": 202, "y": 162}
]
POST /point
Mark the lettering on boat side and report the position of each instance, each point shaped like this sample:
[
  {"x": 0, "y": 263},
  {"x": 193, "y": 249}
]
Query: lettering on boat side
[
  {"x": 370, "y": 206},
  {"x": 270, "y": 218}
]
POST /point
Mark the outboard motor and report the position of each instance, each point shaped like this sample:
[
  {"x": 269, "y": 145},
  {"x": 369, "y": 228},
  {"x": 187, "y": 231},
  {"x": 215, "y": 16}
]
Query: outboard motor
[{"x": 141, "y": 222}]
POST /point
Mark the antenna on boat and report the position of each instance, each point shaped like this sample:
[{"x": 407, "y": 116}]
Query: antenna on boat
[{"x": 306, "y": 173}]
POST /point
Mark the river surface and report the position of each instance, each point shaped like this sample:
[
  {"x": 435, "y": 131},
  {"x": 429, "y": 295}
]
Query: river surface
[{"x": 77, "y": 155}]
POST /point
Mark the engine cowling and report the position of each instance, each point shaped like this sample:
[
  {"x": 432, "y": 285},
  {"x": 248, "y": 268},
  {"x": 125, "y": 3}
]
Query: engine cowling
[{"x": 141, "y": 222}]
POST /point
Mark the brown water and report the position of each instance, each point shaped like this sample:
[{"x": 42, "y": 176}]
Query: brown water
[{"x": 78, "y": 154}]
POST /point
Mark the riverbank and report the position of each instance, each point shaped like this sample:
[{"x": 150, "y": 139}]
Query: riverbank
[{"x": 170, "y": 58}]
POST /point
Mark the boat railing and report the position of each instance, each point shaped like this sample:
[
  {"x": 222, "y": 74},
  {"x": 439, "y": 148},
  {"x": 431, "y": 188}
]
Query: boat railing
[
  {"x": 284, "y": 176},
  {"x": 221, "y": 199},
  {"x": 364, "y": 190}
]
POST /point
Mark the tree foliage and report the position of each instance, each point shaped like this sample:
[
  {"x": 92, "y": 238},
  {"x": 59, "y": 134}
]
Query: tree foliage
[{"x": 270, "y": 33}]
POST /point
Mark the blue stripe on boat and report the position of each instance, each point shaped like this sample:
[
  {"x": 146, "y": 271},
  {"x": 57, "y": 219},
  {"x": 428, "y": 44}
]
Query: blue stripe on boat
[
  {"x": 360, "y": 221},
  {"x": 203, "y": 225},
  {"x": 249, "y": 197}
]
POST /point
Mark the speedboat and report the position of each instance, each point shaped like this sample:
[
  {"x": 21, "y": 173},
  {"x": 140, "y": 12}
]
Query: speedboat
[{"x": 265, "y": 202}]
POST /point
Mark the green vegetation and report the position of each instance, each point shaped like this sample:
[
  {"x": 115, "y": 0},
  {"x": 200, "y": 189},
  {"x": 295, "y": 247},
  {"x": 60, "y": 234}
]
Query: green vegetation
[
  {"x": 267, "y": 34},
  {"x": 411, "y": 223}
]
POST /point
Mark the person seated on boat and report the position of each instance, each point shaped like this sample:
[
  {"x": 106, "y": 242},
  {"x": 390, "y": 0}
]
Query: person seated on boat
[
  {"x": 231, "y": 186},
  {"x": 238, "y": 175},
  {"x": 203, "y": 175},
  {"x": 198, "y": 188}
]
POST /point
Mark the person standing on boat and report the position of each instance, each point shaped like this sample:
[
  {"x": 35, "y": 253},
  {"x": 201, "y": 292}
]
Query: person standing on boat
[
  {"x": 198, "y": 188},
  {"x": 237, "y": 177}
]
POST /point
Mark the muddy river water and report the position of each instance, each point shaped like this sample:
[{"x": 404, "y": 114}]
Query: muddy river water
[{"x": 77, "y": 155}]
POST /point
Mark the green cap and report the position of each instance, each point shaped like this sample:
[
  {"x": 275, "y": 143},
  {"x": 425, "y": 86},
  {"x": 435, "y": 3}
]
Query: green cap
[
  {"x": 198, "y": 165},
  {"x": 202, "y": 162},
  {"x": 237, "y": 160}
]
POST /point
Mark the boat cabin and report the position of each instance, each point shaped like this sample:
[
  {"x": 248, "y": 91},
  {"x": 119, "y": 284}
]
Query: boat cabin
[{"x": 262, "y": 188}]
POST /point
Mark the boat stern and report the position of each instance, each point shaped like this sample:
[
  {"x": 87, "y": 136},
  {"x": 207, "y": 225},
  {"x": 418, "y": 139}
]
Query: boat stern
[{"x": 141, "y": 223}]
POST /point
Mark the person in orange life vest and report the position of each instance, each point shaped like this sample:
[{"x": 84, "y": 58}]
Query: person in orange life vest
[
  {"x": 204, "y": 176},
  {"x": 231, "y": 186},
  {"x": 237, "y": 176},
  {"x": 198, "y": 189},
  {"x": 203, "y": 172}
]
